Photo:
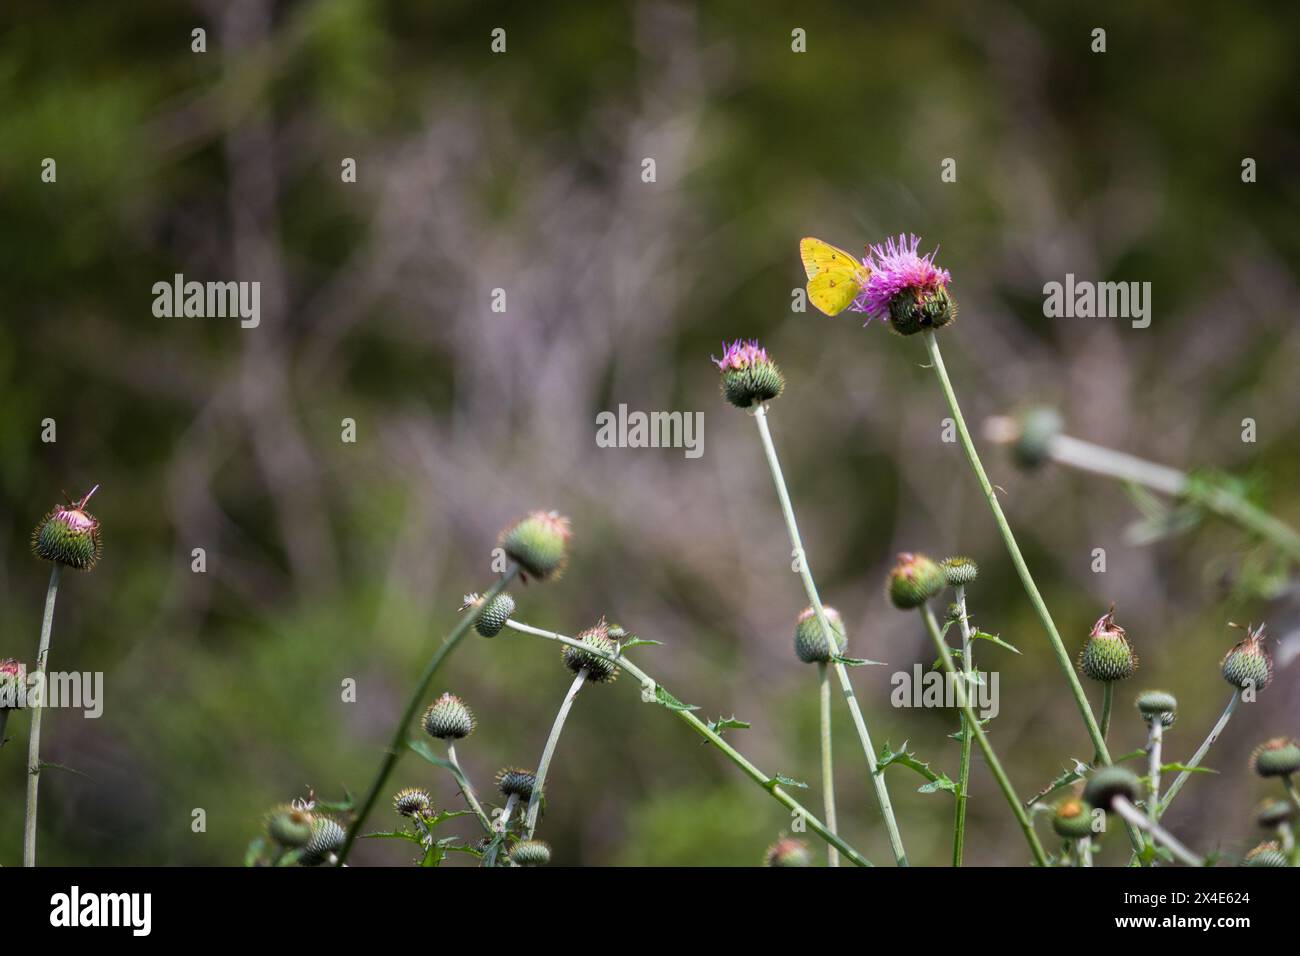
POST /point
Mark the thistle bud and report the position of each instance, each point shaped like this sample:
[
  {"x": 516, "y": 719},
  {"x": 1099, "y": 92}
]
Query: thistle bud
[
  {"x": 327, "y": 838},
  {"x": 13, "y": 684},
  {"x": 69, "y": 536},
  {"x": 1108, "y": 656},
  {"x": 493, "y": 614},
  {"x": 599, "y": 669},
  {"x": 289, "y": 826},
  {"x": 516, "y": 782},
  {"x": 1035, "y": 430},
  {"x": 412, "y": 802},
  {"x": 748, "y": 376},
  {"x": 959, "y": 570},
  {"x": 1072, "y": 819},
  {"x": 531, "y": 853},
  {"x": 1279, "y": 757},
  {"x": 1266, "y": 854},
  {"x": 1249, "y": 664},
  {"x": 787, "y": 851},
  {"x": 1273, "y": 813},
  {"x": 539, "y": 544},
  {"x": 1109, "y": 783},
  {"x": 809, "y": 642},
  {"x": 448, "y": 718},
  {"x": 1158, "y": 705},
  {"x": 913, "y": 580}
]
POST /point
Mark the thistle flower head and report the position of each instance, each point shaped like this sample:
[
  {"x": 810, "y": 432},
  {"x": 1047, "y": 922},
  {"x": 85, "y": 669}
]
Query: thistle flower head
[
  {"x": 1108, "y": 784},
  {"x": 1072, "y": 819},
  {"x": 290, "y": 826},
  {"x": 1107, "y": 656},
  {"x": 516, "y": 782},
  {"x": 787, "y": 851},
  {"x": 69, "y": 536},
  {"x": 1249, "y": 664},
  {"x": 913, "y": 580},
  {"x": 1279, "y": 757},
  {"x": 539, "y": 544},
  {"x": 1266, "y": 854},
  {"x": 13, "y": 684},
  {"x": 959, "y": 570},
  {"x": 493, "y": 614},
  {"x": 905, "y": 289},
  {"x": 599, "y": 669},
  {"x": 449, "y": 718},
  {"x": 1158, "y": 705},
  {"x": 412, "y": 802},
  {"x": 748, "y": 376},
  {"x": 530, "y": 853},
  {"x": 809, "y": 641},
  {"x": 327, "y": 838}
]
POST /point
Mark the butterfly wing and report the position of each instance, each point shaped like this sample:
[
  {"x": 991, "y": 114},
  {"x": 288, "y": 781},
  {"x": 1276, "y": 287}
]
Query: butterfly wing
[{"x": 834, "y": 276}]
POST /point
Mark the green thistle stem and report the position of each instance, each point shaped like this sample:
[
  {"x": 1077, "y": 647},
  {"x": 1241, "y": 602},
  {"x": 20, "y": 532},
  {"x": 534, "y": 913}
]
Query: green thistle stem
[
  {"x": 963, "y": 769},
  {"x": 467, "y": 789},
  {"x": 1201, "y": 751},
  {"x": 832, "y": 642},
  {"x": 1083, "y": 847},
  {"x": 972, "y": 721},
  {"x": 535, "y": 800},
  {"x": 504, "y": 820},
  {"x": 1288, "y": 784},
  {"x": 38, "y": 708},
  {"x": 1107, "y": 702},
  {"x": 828, "y": 771},
  {"x": 1154, "y": 740},
  {"x": 398, "y": 743},
  {"x": 1134, "y": 817},
  {"x": 649, "y": 688}
]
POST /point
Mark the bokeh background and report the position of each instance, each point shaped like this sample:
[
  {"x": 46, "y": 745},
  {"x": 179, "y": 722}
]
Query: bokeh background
[{"x": 522, "y": 171}]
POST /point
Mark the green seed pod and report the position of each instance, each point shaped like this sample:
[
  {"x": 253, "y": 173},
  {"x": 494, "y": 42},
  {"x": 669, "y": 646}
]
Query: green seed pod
[
  {"x": 1072, "y": 819},
  {"x": 787, "y": 851},
  {"x": 1108, "y": 783},
  {"x": 493, "y": 614},
  {"x": 809, "y": 642},
  {"x": 913, "y": 580},
  {"x": 959, "y": 570},
  {"x": 289, "y": 826},
  {"x": 1157, "y": 705},
  {"x": 917, "y": 309},
  {"x": 531, "y": 853},
  {"x": 13, "y": 684},
  {"x": 599, "y": 670},
  {"x": 448, "y": 718},
  {"x": 1266, "y": 854},
  {"x": 412, "y": 802},
  {"x": 69, "y": 536},
  {"x": 327, "y": 838},
  {"x": 1279, "y": 757},
  {"x": 1273, "y": 813},
  {"x": 1249, "y": 664},
  {"x": 749, "y": 377},
  {"x": 1107, "y": 656},
  {"x": 516, "y": 782},
  {"x": 539, "y": 544}
]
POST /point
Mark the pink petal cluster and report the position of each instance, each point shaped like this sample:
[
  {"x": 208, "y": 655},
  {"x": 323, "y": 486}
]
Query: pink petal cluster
[
  {"x": 740, "y": 354},
  {"x": 895, "y": 266}
]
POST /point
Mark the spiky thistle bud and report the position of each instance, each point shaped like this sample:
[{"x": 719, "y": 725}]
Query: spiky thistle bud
[
  {"x": 1108, "y": 783},
  {"x": 1072, "y": 819},
  {"x": 959, "y": 570},
  {"x": 531, "y": 853},
  {"x": 516, "y": 782},
  {"x": 1279, "y": 757},
  {"x": 327, "y": 838},
  {"x": 749, "y": 377},
  {"x": 493, "y": 614},
  {"x": 1158, "y": 705},
  {"x": 1107, "y": 656},
  {"x": 809, "y": 642},
  {"x": 412, "y": 802},
  {"x": 449, "y": 718},
  {"x": 1266, "y": 854},
  {"x": 1249, "y": 664},
  {"x": 539, "y": 544},
  {"x": 13, "y": 684},
  {"x": 69, "y": 536},
  {"x": 913, "y": 580},
  {"x": 1273, "y": 813},
  {"x": 599, "y": 669},
  {"x": 787, "y": 851},
  {"x": 290, "y": 826}
]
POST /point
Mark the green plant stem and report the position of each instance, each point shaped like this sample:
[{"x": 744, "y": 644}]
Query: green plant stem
[
  {"x": 832, "y": 641},
  {"x": 1200, "y": 752},
  {"x": 535, "y": 799},
  {"x": 649, "y": 689},
  {"x": 972, "y": 721},
  {"x": 963, "y": 769},
  {"x": 1134, "y": 817},
  {"x": 503, "y": 821},
  {"x": 37, "y": 709},
  {"x": 397, "y": 744},
  {"x": 828, "y": 770},
  {"x": 1154, "y": 739},
  {"x": 1107, "y": 702},
  {"x": 467, "y": 789},
  {"x": 1083, "y": 849},
  {"x": 1288, "y": 783}
]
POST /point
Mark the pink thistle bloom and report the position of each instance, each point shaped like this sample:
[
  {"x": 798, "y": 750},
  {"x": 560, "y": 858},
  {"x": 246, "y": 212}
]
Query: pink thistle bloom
[
  {"x": 740, "y": 355},
  {"x": 896, "y": 267}
]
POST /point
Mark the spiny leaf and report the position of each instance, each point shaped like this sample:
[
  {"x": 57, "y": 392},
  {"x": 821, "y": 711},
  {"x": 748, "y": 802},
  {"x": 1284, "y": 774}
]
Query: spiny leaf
[
  {"x": 424, "y": 750},
  {"x": 854, "y": 661},
  {"x": 784, "y": 781},
  {"x": 392, "y": 835},
  {"x": 46, "y": 765},
  {"x": 727, "y": 723},
  {"x": 635, "y": 642},
  {"x": 345, "y": 805},
  {"x": 907, "y": 758},
  {"x": 671, "y": 702},
  {"x": 986, "y": 636}
]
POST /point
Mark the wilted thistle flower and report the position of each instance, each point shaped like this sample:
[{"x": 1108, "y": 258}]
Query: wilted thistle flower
[
  {"x": 1108, "y": 656},
  {"x": 1072, "y": 819},
  {"x": 1266, "y": 854},
  {"x": 327, "y": 838},
  {"x": 905, "y": 289},
  {"x": 599, "y": 670},
  {"x": 1157, "y": 705},
  {"x": 531, "y": 853},
  {"x": 13, "y": 684},
  {"x": 69, "y": 536},
  {"x": 1273, "y": 813},
  {"x": 412, "y": 802},
  {"x": 494, "y": 613},
  {"x": 913, "y": 580},
  {"x": 809, "y": 642},
  {"x": 289, "y": 826},
  {"x": 539, "y": 544},
  {"x": 748, "y": 375},
  {"x": 1249, "y": 664},
  {"x": 448, "y": 718},
  {"x": 1279, "y": 757},
  {"x": 959, "y": 570},
  {"x": 787, "y": 851},
  {"x": 516, "y": 782}
]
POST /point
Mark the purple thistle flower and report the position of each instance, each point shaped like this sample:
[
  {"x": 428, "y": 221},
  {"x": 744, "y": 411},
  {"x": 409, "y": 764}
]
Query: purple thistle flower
[
  {"x": 748, "y": 375},
  {"x": 740, "y": 355},
  {"x": 896, "y": 267}
]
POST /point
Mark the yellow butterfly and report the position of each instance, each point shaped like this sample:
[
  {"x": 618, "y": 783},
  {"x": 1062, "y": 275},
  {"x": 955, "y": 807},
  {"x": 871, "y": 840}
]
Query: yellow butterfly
[{"x": 835, "y": 277}]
